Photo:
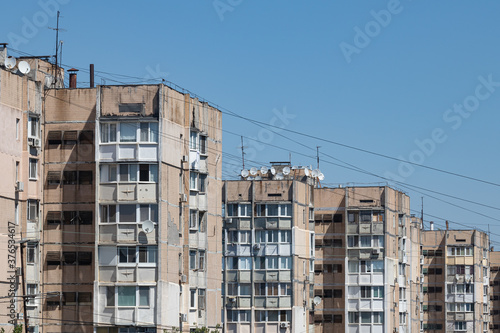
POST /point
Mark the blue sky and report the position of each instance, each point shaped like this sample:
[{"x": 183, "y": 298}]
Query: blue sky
[{"x": 285, "y": 63}]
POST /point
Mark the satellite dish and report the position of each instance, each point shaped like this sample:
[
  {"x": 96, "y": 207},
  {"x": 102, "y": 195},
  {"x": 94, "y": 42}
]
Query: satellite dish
[
  {"x": 253, "y": 171},
  {"x": 48, "y": 81},
  {"x": 24, "y": 67},
  {"x": 273, "y": 170},
  {"x": 315, "y": 173},
  {"x": 258, "y": 178},
  {"x": 244, "y": 173},
  {"x": 286, "y": 171},
  {"x": 10, "y": 62},
  {"x": 148, "y": 226},
  {"x": 264, "y": 170},
  {"x": 306, "y": 172},
  {"x": 279, "y": 176},
  {"x": 321, "y": 176},
  {"x": 294, "y": 167},
  {"x": 250, "y": 178},
  {"x": 317, "y": 300}
]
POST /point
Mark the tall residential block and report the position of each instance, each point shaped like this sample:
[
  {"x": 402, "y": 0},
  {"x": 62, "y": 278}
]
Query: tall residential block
[
  {"x": 366, "y": 270},
  {"x": 268, "y": 251},
  {"x": 456, "y": 278}
]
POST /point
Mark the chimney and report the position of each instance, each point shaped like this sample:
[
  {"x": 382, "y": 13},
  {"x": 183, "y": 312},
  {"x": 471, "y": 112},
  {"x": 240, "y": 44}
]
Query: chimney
[
  {"x": 432, "y": 225},
  {"x": 72, "y": 77},
  {"x": 91, "y": 75},
  {"x": 447, "y": 225}
]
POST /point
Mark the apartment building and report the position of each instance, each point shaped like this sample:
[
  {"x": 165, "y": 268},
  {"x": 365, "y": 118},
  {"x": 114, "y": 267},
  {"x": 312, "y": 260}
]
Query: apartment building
[
  {"x": 268, "y": 250},
  {"x": 494, "y": 291},
  {"x": 132, "y": 216},
  {"x": 455, "y": 281},
  {"x": 366, "y": 274},
  {"x": 22, "y": 82}
]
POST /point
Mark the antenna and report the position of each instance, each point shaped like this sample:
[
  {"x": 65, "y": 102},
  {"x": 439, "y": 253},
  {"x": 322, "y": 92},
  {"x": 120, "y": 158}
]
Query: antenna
[
  {"x": 57, "y": 46},
  {"x": 242, "y": 152},
  {"x": 10, "y": 62},
  {"x": 317, "y": 154},
  {"x": 24, "y": 67},
  {"x": 422, "y": 213},
  {"x": 148, "y": 226}
]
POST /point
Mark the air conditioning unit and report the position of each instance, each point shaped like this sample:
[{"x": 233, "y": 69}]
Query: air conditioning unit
[
  {"x": 30, "y": 141},
  {"x": 284, "y": 325},
  {"x": 376, "y": 252},
  {"x": 256, "y": 247},
  {"x": 184, "y": 317},
  {"x": 231, "y": 300},
  {"x": 307, "y": 278},
  {"x": 185, "y": 158},
  {"x": 183, "y": 278},
  {"x": 20, "y": 316},
  {"x": 19, "y": 186},
  {"x": 184, "y": 197},
  {"x": 36, "y": 143},
  {"x": 18, "y": 271},
  {"x": 229, "y": 220},
  {"x": 421, "y": 260}
]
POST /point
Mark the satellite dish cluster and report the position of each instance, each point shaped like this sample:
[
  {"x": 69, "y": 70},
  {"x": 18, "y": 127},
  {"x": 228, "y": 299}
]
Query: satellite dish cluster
[
  {"x": 280, "y": 173},
  {"x": 11, "y": 64}
]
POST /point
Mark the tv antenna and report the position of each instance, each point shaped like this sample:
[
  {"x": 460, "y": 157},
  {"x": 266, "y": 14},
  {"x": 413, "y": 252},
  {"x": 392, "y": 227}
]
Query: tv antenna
[
  {"x": 242, "y": 153},
  {"x": 57, "y": 29},
  {"x": 317, "y": 154}
]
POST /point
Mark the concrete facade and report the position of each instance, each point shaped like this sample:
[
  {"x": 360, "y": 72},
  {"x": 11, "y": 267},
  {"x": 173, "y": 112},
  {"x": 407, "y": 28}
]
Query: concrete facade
[
  {"x": 366, "y": 275},
  {"x": 268, "y": 252}
]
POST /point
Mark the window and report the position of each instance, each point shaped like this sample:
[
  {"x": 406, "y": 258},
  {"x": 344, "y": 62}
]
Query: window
[
  {"x": 192, "y": 298},
  {"x": 460, "y": 326},
  {"x": 33, "y": 169},
  {"x": 84, "y": 258},
  {"x": 284, "y": 210},
  {"x": 128, "y": 132},
  {"x": 126, "y": 296},
  {"x": 144, "y": 296},
  {"x": 193, "y": 140},
  {"x": 31, "y": 253},
  {"x": 17, "y": 128},
  {"x": 110, "y": 296},
  {"x": 203, "y": 144},
  {"x": 31, "y": 291},
  {"x": 32, "y": 210},
  {"x": 70, "y": 138},
  {"x": 201, "y": 260},
  {"x": 193, "y": 219},
  {"x": 108, "y": 133},
  {"x": 33, "y": 127},
  {"x": 149, "y": 132},
  {"x": 457, "y": 251},
  {"x": 86, "y": 137},
  {"x": 148, "y": 254},
  {"x": 201, "y": 299},
  {"x": 353, "y": 317},
  {"x": 127, "y": 254},
  {"x": 239, "y": 210},
  {"x": 402, "y": 318}
]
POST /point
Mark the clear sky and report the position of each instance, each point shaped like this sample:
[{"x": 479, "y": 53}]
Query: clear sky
[{"x": 413, "y": 80}]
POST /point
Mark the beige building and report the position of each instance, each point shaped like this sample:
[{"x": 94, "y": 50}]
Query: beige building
[
  {"x": 366, "y": 271},
  {"x": 268, "y": 251},
  {"x": 455, "y": 275},
  {"x": 22, "y": 82},
  {"x": 494, "y": 291},
  {"x": 132, "y": 237}
]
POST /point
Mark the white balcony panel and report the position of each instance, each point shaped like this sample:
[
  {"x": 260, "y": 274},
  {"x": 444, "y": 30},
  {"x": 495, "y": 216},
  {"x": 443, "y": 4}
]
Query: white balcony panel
[
  {"x": 107, "y": 152},
  {"x": 148, "y": 152},
  {"x": 127, "y": 192},
  {"x": 127, "y": 233},
  {"x": 107, "y": 274},
  {"x": 202, "y": 202},
  {"x": 353, "y": 329},
  {"x": 271, "y": 249},
  {"x": 146, "y": 192},
  {"x": 126, "y": 274},
  {"x": 365, "y": 279},
  {"x": 378, "y": 304},
  {"x": 353, "y": 279},
  {"x": 107, "y": 192},
  {"x": 378, "y": 279},
  {"x": 365, "y": 304},
  {"x": 285, "y": 250},
  {"x": 127, "y": 152},
  {"x": 125, "y": 316},
  {"x": 353, "y": 304},
  {"x": 107, "y": 255}
]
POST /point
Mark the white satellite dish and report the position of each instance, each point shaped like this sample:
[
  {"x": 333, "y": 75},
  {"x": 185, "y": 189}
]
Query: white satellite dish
[
  {"x": 306, "y": 172},
  {"x": 315, "y": 173},
  {"x": 286, "y": 171},
  {"x": 48, "y": 81},
  {"x": 253, "y": 171},
  {"x": 250, "y": 178},
  {"x": 321, "y": 176},
  {"x": 258, "y": 178},
  {"x": 10, "y": 62},
  {"x": 148, "y": 226},
  {"x": 244, "y": 173},
  {"x": 294, "y": 167},
  {"x": 264, "y": 170},
  {"x": 279, "y": 176},
  {"x": 273, "y": 170},
  {"x": 317, "y": 300},
  {"x": 24, "y": 67}
]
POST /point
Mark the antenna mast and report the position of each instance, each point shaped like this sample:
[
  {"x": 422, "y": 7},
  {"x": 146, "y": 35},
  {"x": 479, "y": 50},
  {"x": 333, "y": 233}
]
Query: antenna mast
[
  {"x": 57, "y": 62},
  {"x": 243, "y": 153},
  {"x": 317, "y": 155},
  {"x": 422, "y": 213}
]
